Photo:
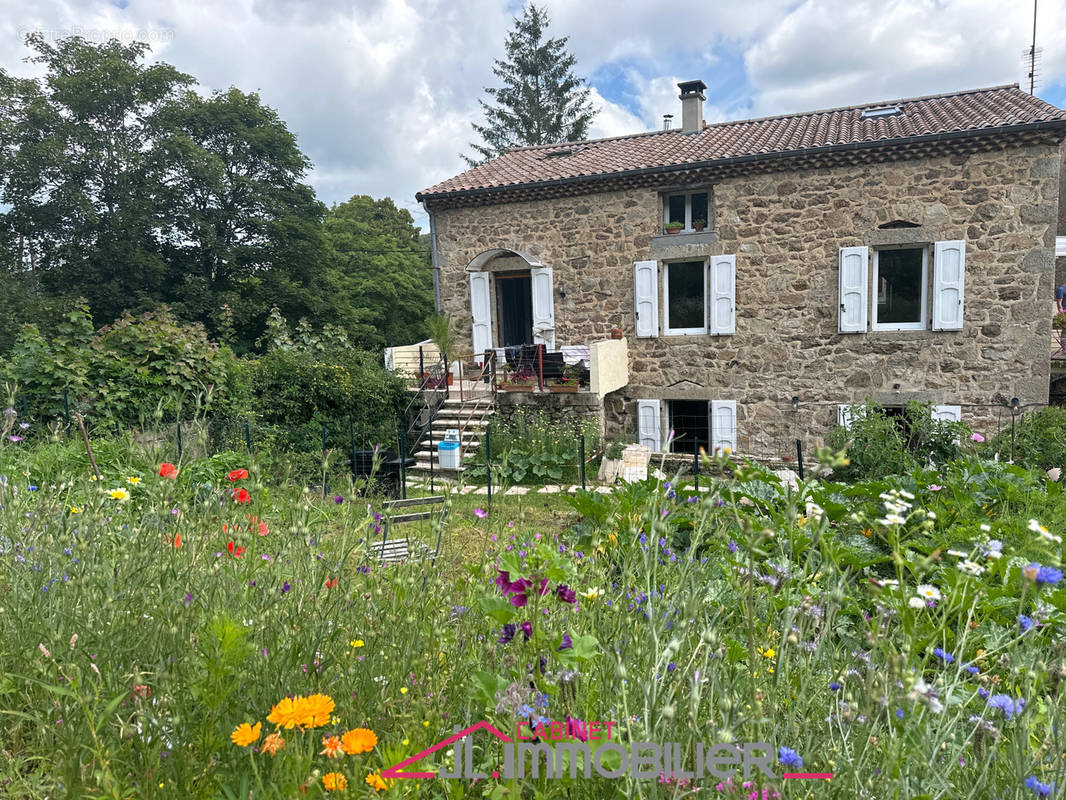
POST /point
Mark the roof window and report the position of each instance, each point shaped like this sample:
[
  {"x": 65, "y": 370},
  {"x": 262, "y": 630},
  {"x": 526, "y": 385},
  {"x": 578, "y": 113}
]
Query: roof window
[{"x": 880, "y": 111}]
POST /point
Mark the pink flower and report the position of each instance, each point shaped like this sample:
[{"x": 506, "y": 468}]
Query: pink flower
[
  {"x": 976, "y": 437},
  {"x": 480, "y": 513},
  {"x": 933, "y": 487}
]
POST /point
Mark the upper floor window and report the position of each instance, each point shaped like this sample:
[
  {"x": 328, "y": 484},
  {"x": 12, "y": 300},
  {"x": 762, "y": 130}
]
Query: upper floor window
[
  {"x": 686, "y": 212},
  {"x": 901, "y": 277}
]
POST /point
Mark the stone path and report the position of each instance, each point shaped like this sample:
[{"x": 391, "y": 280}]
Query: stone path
[{"x": 518, "y": 491}]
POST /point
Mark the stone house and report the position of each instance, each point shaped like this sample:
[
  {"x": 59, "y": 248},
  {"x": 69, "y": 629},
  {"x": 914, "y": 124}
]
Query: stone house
[{"x": 771, "y": 272}]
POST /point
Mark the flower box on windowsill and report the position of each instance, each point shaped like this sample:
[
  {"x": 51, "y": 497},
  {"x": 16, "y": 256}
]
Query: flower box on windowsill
[
  {"x": 517, "y": 387},
  {"x": 564, "y": 388}
]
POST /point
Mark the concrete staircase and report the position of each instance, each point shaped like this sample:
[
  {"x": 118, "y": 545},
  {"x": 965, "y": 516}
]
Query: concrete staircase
[{"x": 471, "y": 416}]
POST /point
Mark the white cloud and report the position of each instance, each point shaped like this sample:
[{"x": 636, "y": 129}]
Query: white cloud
[{"x": 837, "y": 52}]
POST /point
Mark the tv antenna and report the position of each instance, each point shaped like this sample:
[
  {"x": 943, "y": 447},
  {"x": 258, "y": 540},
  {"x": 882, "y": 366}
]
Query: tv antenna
[{"x": 1032, "y": 56}]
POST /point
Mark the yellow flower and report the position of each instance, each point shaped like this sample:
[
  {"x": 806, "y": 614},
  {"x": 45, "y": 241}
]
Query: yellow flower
[
  {"x": 76, "y": 509},
  {"x": 334, "y": 782},
  {"x": 316, "y": 710},
  {"x": 374, "y": 781},
  {"x": 405, "y": 742},
  {"x": 331, "y": 746},
  {"x": 403, "y": 690},
  {"x": 93, "y": 478},
  {"x": 425, "y": 723},
  {"x": 356, "y": 642},
  {"x": 133, "y": 480},
  {"x": 593, "y": 593},
  {"x": 286, "y": 714},
  {"x": 358, "y": 740},
  {"x": 767, "y": 653},
  {"x": 118, "y": 494},
  {"x": 244, "y": 734},
  {"x": 272, "y": 743}
]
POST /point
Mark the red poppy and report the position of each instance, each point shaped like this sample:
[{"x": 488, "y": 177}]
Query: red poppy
[
  {"x": 177, "y": 540},
  {"x": 331, "y": 583},
  {"x": 241, "y": 496},
  {"x": 237, "y": 475},
  {"x": 236, "y": 552},
  {"x": 168, "y": 471}
]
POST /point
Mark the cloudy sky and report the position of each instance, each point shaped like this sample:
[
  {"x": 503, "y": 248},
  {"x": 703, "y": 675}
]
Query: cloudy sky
[{"x": 381, "y": 93}]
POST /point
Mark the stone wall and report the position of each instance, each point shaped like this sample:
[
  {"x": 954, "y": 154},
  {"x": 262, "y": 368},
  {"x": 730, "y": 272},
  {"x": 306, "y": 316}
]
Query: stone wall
[{"x": 786, "y": 229}]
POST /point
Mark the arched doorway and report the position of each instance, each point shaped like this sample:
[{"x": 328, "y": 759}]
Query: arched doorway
[{"x": 511, "y": 300}]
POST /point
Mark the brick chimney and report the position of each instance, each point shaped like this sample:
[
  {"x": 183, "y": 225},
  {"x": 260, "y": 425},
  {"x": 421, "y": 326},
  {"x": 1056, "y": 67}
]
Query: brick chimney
[{"x": 692, "y": 105}]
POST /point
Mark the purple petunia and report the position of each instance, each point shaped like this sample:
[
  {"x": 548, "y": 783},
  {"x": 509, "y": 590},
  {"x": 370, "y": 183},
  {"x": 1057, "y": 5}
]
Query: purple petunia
[
  {"x": 527, "y": 629},
  {"x": 338, "y": 499},
  {"x": 566, "y": 594}
]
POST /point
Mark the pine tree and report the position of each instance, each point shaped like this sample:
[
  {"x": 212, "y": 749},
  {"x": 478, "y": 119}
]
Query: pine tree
[{"x": 541, "y": 100}]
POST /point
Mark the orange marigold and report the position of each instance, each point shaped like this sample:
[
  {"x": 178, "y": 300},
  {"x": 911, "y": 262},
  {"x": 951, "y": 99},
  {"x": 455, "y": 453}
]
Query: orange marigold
[
  {"x": 334, "y": 782},
  {"x": 331, "y": 746},
  {"x": 359, "y": 740},
  {"x": 375, "y": 781},
  {"x": 272, "y": 743},
  {"x": 244, "y": 734},
  {"x": 288, "y": 713},
  {"x": 315, "y": 710}
]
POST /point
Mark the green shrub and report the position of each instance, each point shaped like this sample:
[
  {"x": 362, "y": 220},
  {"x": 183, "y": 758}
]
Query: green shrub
[
  {"x": 1039, "y": 440},
  {"x": 528, "y": 447},
  {"x": 880, "y": 444}
]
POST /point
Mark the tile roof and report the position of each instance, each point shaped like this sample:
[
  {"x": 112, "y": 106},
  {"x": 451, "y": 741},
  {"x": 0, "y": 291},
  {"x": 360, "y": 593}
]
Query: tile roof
[{"x": 956, "y": 113}]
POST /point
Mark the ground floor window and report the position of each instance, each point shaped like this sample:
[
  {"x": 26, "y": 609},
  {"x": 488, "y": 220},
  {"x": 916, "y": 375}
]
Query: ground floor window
[{"x": 690, "y": 422}]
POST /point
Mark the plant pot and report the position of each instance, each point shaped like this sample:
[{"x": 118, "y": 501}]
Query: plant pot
[
  {"x": 616, "y": 333},
  {"x": 564, "y": 388},
  {"x": 698, "y": 228},
  {"x": 451, "y": 379},
  {"x": 672, "y": 230},
  {"x": 516, "y": 387}
]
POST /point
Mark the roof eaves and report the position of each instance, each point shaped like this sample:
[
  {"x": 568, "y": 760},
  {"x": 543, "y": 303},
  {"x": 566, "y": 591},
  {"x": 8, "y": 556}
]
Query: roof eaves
[{"x": 807, "y": 152}]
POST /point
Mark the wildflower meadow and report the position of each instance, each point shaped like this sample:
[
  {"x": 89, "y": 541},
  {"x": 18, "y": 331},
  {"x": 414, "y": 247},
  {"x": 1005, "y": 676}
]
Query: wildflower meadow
[{"x": 189, "y": 629}]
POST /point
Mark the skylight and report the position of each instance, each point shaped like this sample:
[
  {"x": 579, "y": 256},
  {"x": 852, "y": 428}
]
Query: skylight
[{"x": 880, "y": 111}]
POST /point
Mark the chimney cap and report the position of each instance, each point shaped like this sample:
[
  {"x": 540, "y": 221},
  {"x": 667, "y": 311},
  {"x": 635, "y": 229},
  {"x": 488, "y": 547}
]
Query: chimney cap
[{"x": 690, "y": 88}]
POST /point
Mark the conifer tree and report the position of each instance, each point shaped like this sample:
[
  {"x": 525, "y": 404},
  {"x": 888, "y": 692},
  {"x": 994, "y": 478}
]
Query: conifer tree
[{"x": 541, "y": 100}]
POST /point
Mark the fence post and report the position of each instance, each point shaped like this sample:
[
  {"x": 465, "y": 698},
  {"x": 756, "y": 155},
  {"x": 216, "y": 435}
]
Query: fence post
[
  {"x": 488, "y": 463},
  {"x": 403, "y": 463},
  {"x": 799, "y": 457},
  {"x": 323, "y": 461},
  {"x": 421, "y": 368},
  {"x": 696, "y": 462},
  {"x": 432, "y": 485},
  {"x": 66, "y": 410},
  {"x": 116, "y": 429},
  {"x": 248, "y": 438},
  {"x": 179, "y": 439},
  {"x": 351, "y": 442},
  {"x": 581, "y": 446}
]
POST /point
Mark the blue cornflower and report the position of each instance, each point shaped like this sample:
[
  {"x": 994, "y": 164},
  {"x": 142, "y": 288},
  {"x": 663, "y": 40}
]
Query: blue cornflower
[
  {"x": 834, "y": 686},
  {"x": 1041, "y": 789},
  {"x": 1025, "y": 622},
  {"x": 1041, "y": 574},
  {"x": 789, "y": 757},
  {"x": 940, "y": 653},
  {"x": 1007, "y": 704},
  {"x": 31, "y": 488},
  {"x": 982, "y": 692},
  {"x": 971, "y": 669},
  {"x": 899, "y": 713},
  {"x": 671, "y": 667},
  {"x": 732, "y": 546}
]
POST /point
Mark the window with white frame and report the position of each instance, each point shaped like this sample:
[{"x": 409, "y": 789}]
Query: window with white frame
[
  {"x": 685, "y": 297},
  {"x": 690, "y": 210},
  {"x": 900, "y": 286}
]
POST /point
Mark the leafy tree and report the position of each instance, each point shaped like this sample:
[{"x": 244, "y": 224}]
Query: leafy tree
[
  {"x": 541, "y": 100},
  {"x": 381, "y": 273},
  {"x": 78, "y": 153}
]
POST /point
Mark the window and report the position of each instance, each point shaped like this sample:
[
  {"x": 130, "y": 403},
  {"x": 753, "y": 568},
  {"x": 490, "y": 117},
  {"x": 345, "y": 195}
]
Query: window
[
  {"x": 901, "y": 276},
  {"x": 690, "y": 420},
  {"x": 685, "y": 287},
  {"x": 690, "y": 209}
]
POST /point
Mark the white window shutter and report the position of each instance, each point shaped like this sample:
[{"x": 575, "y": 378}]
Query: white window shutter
[
  {"x": 723, "y": 294},
  {"x": 947, "y": 413},
  {"x": 646, "y": 298},
  {"x": 854, "y": 289},
  {"x": 481, "y": 311},
  {"x": 648, "y": 424},
  {"x": 949, "y": 279},
  {"x": 723, "y": 425},
  {"x": 543, "y": 306},
  {"x": 846, "y": 412}
]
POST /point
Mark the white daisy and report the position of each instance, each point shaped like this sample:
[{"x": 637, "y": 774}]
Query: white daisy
[{"x": 928, "y": 592}]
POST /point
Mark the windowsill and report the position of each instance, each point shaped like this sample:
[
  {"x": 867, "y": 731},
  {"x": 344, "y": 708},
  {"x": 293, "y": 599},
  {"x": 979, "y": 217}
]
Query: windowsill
[
  {"x": 875, "y": 328},
  {"x": 685, "y": 332},
  {"x": 666, "y": 240}
]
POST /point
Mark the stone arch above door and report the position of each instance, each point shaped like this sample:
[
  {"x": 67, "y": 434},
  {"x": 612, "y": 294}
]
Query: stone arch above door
[{"x": 489, "y": 259}]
